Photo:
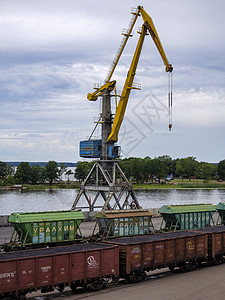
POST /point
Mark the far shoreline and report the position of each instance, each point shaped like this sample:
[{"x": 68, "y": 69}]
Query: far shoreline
[{"x": 176, "y": 184}]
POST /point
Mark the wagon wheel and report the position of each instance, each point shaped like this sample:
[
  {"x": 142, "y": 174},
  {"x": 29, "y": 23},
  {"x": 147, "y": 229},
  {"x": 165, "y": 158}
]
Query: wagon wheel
[
  {"x": 130, "y": 278},
  {"x": 192, "y": 266},
  {"x": 21, "y": 297},
  {"x": 96, "y": 285},
  {"x": 74, "y": 286},
  {"x": 61, "y": 288},
  {"x": 171, "y": 268},
  {"x": 143, "y": 276},
  {"x": 183, "y": 268}
]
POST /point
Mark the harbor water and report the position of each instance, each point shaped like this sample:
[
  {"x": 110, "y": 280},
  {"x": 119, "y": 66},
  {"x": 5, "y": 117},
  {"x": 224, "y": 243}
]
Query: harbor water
[{"x": 62, "y": 199}]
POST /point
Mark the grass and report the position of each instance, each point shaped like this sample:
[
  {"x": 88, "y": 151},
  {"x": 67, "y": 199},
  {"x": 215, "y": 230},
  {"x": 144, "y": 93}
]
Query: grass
[
  {"x": 175, "y": 184},
  {"x": 185, "y": 184},
  {"x": 40, "y": 187}
]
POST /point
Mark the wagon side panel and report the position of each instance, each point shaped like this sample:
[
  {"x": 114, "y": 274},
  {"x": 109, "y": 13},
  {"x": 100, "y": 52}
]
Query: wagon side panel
[
  {"x": 159, "y": 253},
  {"x": 148, "y": 255},
  {"x": 110, "y": 261},
  {"x": 62, "y": 268},
  {"x": 26, "y": 273},
  {"x": 78, "y": 266},
  {"x": 93, "y": 264},
  {"x": 170, "y": 251},
  {"x": 8, "y": 276},
  {"x": 223, "y": 240},
  {"x": 45, "y": 269},
  {"x": 135, "y": 256},
  {"x": 180, "y": 249},
  {"x": 217, "y": 243},
  {"x": 201, "y": 246}
]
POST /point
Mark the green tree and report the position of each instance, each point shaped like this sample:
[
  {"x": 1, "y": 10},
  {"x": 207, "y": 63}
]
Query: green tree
[
  {"x": 133, "y": 168},
  {"x": 126, "y": 167},
  {"x": 38, "y": 174},
  {"x": 205, "y": 170},
  {"x": 221, "y": 169},
  {"x": 82, "y": 170},
  {"x": 43, "y": 174},
  {"x": 173, "y": 167},
  {"x": 137, "y": 169},
  {"x": 10, "y": 180},
  {"x": 3, "y": 170},
  {"x": 10, "y": 170},
  {"x": 52, "y": 171},
  {"x": 147, "y": 170},
  {"x": 187, "y": 166},
  {"x": 162, "y": 166},
  {"x": 23, "y": 173}
]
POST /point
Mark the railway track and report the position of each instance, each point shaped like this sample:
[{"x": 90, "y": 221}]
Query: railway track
[
  {"x": 204, "y": 283},
  {"x": 81, "y": 294}
]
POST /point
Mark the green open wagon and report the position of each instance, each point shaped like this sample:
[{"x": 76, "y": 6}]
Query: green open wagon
[
  {"x": 221, "y": 213},
  {"x": 45, "y": 227},
  {"x": 116, "y": 223},
  {"x": 186, "y": 217}
]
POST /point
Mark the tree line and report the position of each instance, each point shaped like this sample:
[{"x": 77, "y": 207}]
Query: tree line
[
  {"x": 138, "y": 170},
  {"x": 32, "y": 174},
  {"x": 143, "y": 170}
]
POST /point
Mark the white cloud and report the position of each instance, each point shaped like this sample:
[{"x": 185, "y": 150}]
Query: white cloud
[
  {"x": 203, "y": 108},
  {"x": 52, "y": 52}
]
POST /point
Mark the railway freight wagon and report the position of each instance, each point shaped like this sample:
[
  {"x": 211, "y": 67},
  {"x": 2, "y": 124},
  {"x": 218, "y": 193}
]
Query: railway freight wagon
[
  {"x": 187, "y": 217},
  {"x": 183, "y": 249},
  {"x": 51, "y": 227},
  {"x": 85, "y": 265},
  {"x": 114, "y": 223},
  {"x": 216, "y": 243}
]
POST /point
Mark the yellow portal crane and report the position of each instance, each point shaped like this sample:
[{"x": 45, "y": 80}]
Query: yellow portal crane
[
  {"x": 106, "y": 177},
  {"x": 111, "y": 128}
]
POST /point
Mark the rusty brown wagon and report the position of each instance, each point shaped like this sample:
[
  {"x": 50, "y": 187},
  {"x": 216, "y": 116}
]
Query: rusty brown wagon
[{"x": 85, "y": 265}]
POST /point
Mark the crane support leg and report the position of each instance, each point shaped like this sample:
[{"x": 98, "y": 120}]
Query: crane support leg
[{"x": 109, "y": 188}]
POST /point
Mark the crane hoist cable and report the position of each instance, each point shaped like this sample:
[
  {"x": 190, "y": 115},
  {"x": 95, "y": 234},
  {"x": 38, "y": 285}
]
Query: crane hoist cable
[{"x": 170, "y": 100}]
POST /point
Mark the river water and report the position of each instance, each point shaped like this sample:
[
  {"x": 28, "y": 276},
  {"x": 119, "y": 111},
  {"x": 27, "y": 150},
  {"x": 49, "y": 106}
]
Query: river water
[{"x": 61, "y": 199}]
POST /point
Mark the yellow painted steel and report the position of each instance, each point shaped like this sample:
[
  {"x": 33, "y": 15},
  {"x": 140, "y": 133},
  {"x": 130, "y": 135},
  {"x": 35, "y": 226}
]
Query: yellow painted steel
[
  {"x": 151, "y": 28},
  {"x": 136, "y": 14},
  {"x": 120, "y": 111},
  {"x": 94, "y": 96}
]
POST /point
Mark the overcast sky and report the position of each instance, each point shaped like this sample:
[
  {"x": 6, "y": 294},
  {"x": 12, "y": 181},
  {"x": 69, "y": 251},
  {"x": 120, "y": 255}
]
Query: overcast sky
[{"x": 52, "y": 52}]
